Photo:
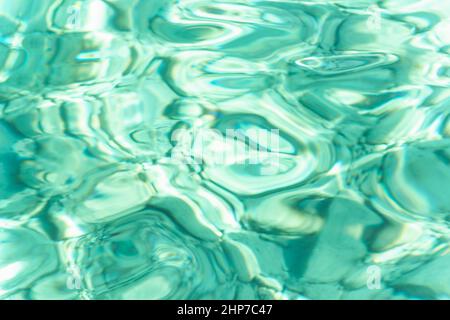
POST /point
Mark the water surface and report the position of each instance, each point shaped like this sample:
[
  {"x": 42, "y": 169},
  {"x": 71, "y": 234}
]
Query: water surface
[{"x": 92, "y": 205}]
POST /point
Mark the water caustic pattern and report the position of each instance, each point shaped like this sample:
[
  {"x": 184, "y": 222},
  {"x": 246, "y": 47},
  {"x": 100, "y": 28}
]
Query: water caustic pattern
[{"x": 92, "y": 205}]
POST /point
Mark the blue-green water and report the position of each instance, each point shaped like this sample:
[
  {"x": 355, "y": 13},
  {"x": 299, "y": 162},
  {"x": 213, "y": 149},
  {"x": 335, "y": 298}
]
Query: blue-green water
[{"x": 92, "y": 205}]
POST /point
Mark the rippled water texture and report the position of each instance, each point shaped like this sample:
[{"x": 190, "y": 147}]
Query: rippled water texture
[{"x": 91, "y": 207}]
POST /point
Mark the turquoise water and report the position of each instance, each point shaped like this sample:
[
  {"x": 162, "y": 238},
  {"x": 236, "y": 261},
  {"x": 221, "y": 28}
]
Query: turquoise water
[{"x": 352, "y": 200}]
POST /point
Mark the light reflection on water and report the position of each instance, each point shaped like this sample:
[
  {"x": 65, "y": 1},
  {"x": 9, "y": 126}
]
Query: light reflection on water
[{"x": 91, "y": 93}]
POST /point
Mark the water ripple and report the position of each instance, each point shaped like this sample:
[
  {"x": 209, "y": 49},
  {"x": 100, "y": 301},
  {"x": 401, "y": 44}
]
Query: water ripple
[{"x": 94, "y": 92}]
